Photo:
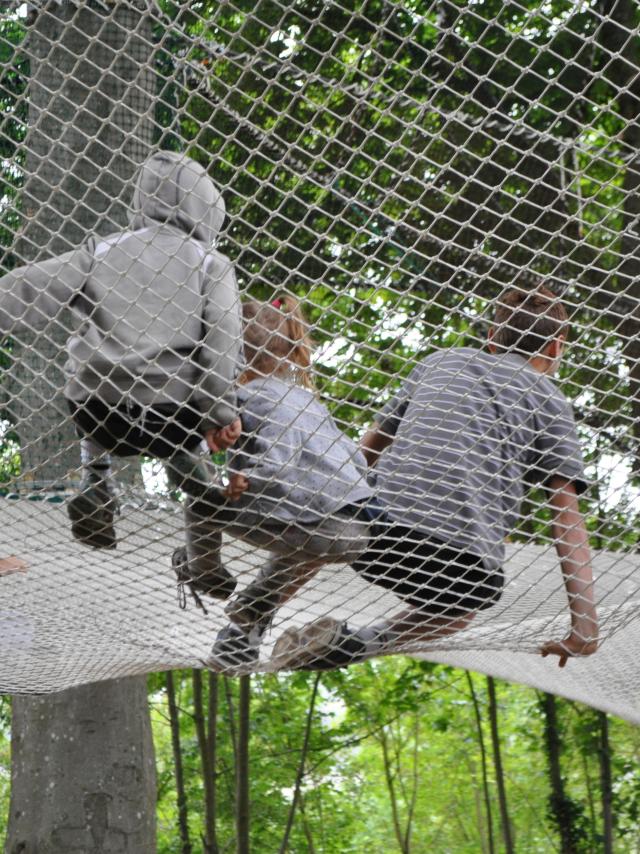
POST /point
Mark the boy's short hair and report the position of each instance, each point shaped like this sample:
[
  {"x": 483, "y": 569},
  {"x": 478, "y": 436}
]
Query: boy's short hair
[{"x": 526, "y": 320}]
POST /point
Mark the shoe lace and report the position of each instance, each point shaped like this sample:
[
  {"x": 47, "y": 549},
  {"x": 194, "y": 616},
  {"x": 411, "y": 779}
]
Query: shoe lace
[{"x": 182, "y": 596}]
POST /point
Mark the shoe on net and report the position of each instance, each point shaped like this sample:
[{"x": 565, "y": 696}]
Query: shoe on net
[
  {"x": 234, "y": 650},
  {"x": 217, "y": 583},
  {"x": 325, "y": 644},
  {"x": 92, "y": 513}
]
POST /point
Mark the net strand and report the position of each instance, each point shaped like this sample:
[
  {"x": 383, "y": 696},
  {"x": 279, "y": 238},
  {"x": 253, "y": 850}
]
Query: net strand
[{"x": 391, "y": 172}]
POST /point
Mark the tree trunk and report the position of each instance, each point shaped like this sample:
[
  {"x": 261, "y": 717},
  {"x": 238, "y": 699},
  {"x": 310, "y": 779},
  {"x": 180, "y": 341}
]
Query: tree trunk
[
  {"x": 413, "y": 796},
  {"x": 206, "y": 732},
  {"x": 82, "y": 774},
  {"x": 560, "y": 806},
  {"x": 308, "y": 835},
  {"x": 82, "y": 760},
  {"x": 483, "y": 758},
  {"x": 213, "y": 705},
  {"x": 284, "y": 846},
  {"x": 497, "y": 763},
  {"x": 181, "y": 795},
  {"x": 604, "y": 757},
  {"x": 90, "y": 93},
  {"x": 391, "y": 788},
  {"x": 242, "y": 766}
]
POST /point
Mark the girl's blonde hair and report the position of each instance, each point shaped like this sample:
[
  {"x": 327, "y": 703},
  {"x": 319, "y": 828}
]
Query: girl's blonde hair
[{"x": 277, "y": 340}]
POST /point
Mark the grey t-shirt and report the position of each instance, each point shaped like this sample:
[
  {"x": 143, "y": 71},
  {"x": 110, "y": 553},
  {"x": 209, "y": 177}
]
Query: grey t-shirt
[
  {"x": 472, "y": 432},
  {"x": 300, "y": 466}
]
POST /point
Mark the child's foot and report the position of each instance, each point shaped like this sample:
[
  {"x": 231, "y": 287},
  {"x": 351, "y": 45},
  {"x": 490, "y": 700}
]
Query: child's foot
[
  {"x": 11, "y": 564},
  {"x": 322, "y": 645},
  {"x": 92, "y": 512},
  {"x": 217, "y": 582},
  {"x": 234, "y": 650}
]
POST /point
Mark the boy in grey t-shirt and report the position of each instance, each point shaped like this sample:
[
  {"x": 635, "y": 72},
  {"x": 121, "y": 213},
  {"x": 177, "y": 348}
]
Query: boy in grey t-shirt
[{"x": 467, "y": 434}]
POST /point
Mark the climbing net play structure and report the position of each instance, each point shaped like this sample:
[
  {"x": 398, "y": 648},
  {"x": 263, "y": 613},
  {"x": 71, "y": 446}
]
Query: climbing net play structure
[{"x": 395, "y": 167}]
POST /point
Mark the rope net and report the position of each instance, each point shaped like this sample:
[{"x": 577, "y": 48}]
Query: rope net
[{"x": 192, "y": 194}]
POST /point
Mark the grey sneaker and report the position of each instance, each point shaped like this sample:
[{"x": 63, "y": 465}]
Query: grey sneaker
[
  {"x": 92, "y": 512},
  {"x": 234, "y": 650},
  {"x": 217, "y": 583},
  {"x": 322, "y": 645}
]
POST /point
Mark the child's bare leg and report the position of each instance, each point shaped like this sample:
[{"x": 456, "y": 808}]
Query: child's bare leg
[
  {"x": 303, "y": 573},
  {"x": 277, "y": 582},
  {"x": 302, "y": 551},
  {"x": 237, "y": 645},
  {"x": 411, "y": 625},
  {"x": 199, "y": 564}
]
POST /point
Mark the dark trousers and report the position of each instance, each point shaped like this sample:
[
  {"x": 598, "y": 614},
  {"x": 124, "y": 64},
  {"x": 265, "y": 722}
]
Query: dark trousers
[{"x": 129, "y": 430}]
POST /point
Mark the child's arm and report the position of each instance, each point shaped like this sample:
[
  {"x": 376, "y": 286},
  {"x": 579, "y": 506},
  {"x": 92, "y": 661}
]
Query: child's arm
[
  {"x": 224, "y": 437},
  {"x": 9, "y": 565},
  {"x": 220, "y": 352},
  {"x": 32, "y": 295},
  {"x": 373, "y": 443},
  {"x": 384, "y": 428},
  {"x": 238, "y": 484},
  {"x": 572, "y": 546}
]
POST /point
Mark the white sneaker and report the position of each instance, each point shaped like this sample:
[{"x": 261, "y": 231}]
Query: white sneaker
[{"x": 322, "y": 645}]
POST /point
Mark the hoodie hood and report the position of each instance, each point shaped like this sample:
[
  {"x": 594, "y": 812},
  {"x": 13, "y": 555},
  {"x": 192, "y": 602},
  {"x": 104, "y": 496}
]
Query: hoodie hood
[{"x": 173, "y": 188}]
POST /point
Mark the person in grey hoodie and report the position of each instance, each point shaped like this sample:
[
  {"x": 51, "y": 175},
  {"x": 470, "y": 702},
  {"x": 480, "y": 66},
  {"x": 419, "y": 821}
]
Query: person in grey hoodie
[{"x": 153, "y": 357}]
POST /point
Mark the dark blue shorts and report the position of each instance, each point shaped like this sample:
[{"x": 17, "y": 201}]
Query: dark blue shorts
[{"x": 429, "y": 575}]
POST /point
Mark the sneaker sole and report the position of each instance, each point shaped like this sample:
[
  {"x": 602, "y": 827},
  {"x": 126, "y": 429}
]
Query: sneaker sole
[
  {"x": 90, "y": 524},
  {"x": 299, "y": 647},
  {"x": 236, "y": 654}
]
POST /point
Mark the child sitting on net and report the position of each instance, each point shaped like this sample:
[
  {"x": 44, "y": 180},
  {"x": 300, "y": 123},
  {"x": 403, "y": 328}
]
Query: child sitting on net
[
  {"x": 294, "y": 487},
  {"x": 455, "y": 450},
  {"x": 153, "y": 361}
]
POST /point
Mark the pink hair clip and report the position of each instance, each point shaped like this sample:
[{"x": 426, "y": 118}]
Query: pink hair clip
[{"x": 276, "y": 303}]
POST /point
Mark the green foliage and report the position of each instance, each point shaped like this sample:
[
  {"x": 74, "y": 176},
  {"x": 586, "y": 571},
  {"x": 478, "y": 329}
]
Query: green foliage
[
  {"x": 395, "y": 730},
  {"x": 395, "y": 165},
  {"x": 14, "y": 71}
]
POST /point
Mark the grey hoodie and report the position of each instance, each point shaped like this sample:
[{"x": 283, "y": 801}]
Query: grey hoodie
[{"x": 157, "y": 308}]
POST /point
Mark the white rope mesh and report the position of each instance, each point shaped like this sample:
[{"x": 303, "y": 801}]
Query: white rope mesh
[{"x": 394, "y": 167}]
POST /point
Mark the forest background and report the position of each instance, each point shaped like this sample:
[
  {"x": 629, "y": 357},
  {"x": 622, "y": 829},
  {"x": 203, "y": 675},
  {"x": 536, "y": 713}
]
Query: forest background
[{"x": 395, "y": 165}]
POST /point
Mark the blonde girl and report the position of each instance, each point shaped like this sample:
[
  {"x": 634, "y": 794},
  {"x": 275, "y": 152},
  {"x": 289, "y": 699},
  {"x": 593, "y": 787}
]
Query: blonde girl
[{"x": 296, "y": 482}]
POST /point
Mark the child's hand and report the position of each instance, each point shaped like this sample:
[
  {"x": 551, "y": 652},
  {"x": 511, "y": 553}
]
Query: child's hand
[
  {"x": 572, "y": 646},
  {"x": 223, "y": 437},
  {"x": 238, "y": 484},
  {"x": 9, "y": 565}
]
